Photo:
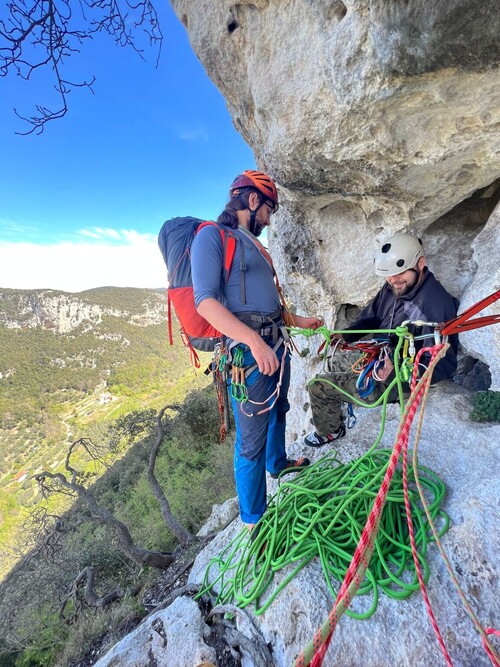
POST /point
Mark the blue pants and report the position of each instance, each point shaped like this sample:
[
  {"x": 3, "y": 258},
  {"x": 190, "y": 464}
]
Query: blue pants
[{"x": 260, "y": 440}]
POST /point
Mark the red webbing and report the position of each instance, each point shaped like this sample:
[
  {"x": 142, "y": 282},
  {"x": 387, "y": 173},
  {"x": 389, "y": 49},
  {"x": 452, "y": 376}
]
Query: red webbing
[
  {"x": 463, "y": 321},
  {"x": 491, "y": 631},
  {"x": 169, "y": 320}
]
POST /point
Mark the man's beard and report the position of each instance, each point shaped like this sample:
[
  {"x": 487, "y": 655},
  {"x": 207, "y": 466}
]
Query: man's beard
[
  {"x": 405, "y": 287},
  {"x": 399, "y": 291},
  {"x": 257, "y": 229}
]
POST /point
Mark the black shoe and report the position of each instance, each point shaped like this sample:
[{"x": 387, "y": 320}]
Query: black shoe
[
  {"x": 313, "y": 439},
  {"x": 292, "y": 465}
]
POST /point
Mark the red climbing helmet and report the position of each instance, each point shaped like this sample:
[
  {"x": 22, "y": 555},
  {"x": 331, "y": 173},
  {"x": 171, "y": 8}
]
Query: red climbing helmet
[{"x": 258, "y": 180}]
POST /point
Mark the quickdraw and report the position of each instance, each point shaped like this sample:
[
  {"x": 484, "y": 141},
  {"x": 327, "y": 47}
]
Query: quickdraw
[
  {"x": 373, "y": 364},
  {"x": 219, "y": 368},
  {"x": 239, "y": 389}
]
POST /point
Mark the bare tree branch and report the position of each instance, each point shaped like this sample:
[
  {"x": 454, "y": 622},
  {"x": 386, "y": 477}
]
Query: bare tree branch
[
  {"x": 41, "y": 34},
  {"x": 88, "y": 597},
  {"x": 182, "y": 534},
  {"x": 43, "y": 533},
  {"x": 59, "y": 483}
]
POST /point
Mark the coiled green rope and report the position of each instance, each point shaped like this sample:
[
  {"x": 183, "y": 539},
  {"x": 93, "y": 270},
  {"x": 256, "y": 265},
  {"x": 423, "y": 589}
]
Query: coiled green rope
[{"x": 321, "y": 513}]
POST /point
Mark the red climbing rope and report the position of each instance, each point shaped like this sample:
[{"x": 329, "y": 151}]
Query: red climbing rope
[
  {"x": 360, "y": 560},
  {"x": 492, "y": 657},
  {"x": 409, "y": 521}
]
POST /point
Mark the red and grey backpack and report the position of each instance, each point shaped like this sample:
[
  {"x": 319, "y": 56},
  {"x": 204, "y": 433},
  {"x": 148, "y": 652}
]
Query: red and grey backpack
[{"x": 175, "y": 240}]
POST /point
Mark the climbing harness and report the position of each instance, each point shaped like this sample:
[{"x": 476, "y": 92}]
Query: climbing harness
[
  {"x": 229, "y": 373},
  {"x": 271, "y": 328}
]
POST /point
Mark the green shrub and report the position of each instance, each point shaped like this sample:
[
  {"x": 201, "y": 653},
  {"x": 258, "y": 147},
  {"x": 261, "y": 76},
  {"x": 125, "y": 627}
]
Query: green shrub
[
  {"x": 47, "y": 637},
  {"x": 486, "y": 407},
  {"x": 8, "y": 659},
  {"x": 198, "y": 418}
]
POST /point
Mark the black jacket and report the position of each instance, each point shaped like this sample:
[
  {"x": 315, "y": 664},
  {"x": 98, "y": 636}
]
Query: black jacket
[{"x": 427, "y": 301}]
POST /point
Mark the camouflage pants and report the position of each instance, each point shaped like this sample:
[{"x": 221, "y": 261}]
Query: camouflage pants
[{"x": 326, "y": 401}]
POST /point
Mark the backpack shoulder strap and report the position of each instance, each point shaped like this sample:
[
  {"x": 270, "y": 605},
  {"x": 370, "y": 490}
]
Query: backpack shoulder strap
[
  {"x": 264, "y": 254},
  {"x": 268, "y": 258},
  {"x": 228, "y": 241}
]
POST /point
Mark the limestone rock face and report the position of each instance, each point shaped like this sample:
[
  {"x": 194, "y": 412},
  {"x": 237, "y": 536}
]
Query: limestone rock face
[
  {"x": 362, "y": 98},
  {"x": 484, "y": 344},
  {"x": 173, "y": 636},
  {"x": 373, "y": 117}
]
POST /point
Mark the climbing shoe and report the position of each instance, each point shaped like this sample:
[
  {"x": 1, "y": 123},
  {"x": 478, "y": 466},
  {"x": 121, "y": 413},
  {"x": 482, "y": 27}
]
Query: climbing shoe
[
  {"x": 292, "y": 465},
  {"x": 316, "y": 440}
]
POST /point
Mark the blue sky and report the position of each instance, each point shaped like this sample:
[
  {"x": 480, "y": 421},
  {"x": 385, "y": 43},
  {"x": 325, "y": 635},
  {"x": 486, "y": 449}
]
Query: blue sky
[{"x": 82, "y": 203}]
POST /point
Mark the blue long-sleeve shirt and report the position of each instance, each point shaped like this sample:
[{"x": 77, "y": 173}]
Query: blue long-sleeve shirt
[{"x": 260, "y": 292}]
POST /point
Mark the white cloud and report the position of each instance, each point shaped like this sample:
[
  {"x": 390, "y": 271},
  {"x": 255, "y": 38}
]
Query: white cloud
[
  {"x": 11, "y": 226},
  {"x": 73, "y": 267},
  {"x": 110, "y": 234},
  {"x": 192, "y": 133}
]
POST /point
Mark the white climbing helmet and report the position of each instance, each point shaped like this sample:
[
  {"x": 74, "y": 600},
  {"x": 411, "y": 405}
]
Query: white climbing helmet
[{"x": 399, "y": 253}]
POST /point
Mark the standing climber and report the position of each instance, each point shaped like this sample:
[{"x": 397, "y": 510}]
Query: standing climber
[
  {"x": 410, "y": 292},
  {"x": 248, "y": 311}
]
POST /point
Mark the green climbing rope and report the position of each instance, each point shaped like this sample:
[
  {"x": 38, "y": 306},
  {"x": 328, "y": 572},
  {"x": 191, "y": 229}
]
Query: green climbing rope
[{"x": 321, "y": 513}]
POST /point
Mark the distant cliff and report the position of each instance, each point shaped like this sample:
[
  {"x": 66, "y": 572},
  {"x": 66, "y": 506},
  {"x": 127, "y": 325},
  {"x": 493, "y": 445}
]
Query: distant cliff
[{"x": 63, "y": 312}]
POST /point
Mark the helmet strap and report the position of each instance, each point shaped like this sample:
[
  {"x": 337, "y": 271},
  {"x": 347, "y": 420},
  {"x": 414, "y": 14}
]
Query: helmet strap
[
  {"x": 419, "y": 272},
  {"x": 252, "y": 228}
]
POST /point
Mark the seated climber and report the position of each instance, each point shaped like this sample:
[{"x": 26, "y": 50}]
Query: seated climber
[{"x": 410, "y": 292}]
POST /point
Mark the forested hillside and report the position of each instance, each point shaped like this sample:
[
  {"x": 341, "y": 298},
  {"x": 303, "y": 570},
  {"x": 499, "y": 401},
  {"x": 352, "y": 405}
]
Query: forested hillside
[
  {"x": 79, "y": 588},
  {"x": 70, "y": 366}
]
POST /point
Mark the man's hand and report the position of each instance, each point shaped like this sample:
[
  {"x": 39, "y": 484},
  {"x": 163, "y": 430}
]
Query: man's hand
[
  {"x": 264, "y": 356},
  {"x": 307, "y": 322}
]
